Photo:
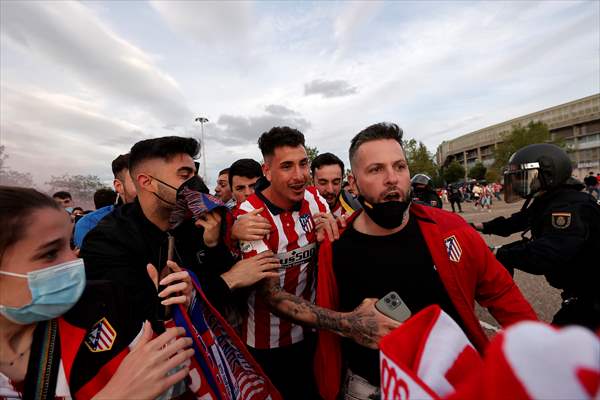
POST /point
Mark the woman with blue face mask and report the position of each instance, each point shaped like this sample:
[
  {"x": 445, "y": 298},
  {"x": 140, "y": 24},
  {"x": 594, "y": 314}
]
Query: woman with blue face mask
[{"x": 59, "y": 339}]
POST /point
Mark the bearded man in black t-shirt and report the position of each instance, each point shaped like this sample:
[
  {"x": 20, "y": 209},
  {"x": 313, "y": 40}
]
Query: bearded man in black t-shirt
[{"x": 425, "y": 254}]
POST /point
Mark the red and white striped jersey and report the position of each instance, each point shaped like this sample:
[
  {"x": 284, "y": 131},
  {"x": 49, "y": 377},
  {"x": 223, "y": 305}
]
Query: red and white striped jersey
[
  {"x": 294, "y": 242},
  {"x": 343, "y": 205},
  {"x": 338, "y": 210}
]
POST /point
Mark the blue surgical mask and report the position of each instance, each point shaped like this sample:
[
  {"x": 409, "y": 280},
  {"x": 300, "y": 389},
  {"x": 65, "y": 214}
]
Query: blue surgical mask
[
  {"x": 54, "y": 290},
  {"x": 69, "y": 209}
]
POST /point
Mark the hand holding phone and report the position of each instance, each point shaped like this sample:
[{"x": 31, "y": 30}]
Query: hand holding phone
[{"x": 391, "y": 305}]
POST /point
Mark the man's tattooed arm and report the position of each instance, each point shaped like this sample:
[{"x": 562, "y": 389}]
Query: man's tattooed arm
[{"x": 365, "y": 325}]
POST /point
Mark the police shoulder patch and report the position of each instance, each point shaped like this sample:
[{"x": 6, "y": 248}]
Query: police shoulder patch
[
  {"x": 561, "y": 220},
  {"x": 101, "y": 337},
  {"x": 453, "y": 248}
]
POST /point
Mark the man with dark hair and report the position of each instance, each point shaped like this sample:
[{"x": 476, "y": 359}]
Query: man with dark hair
[
  {"x": 243, "y": 175},
  {"x": 424, "y": 254},
  {"x": 64, "y": 199},
  {"x": 137, "y": 234},
  {"x": 298, "y": 216},
  {"x": 125, "y": 193},
  {"x": 104, "y": 197},
  {"x": 591, "y": 184},
  {"x": 328, "y": 174},
  {"x": 122, "y": 179},
  {"x": 223, "y": 189}
]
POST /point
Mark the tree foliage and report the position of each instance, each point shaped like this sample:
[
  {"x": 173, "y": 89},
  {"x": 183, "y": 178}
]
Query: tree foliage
[
  {"x": 519, "y": 137},
  {"x": 420, "y": 160},
  {"x": 492, "y": 175},
  {"x": 312, "y": 153},
  {"x": 10, "y": 177},
  {"x": 453, "y": 172},
  {"x": 81, "y": 187},
  {"x": 478, "y": 171}
]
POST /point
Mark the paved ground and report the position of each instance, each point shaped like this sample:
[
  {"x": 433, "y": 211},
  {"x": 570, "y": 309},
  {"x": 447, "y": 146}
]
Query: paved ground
[{"x": 544, "y": 299}]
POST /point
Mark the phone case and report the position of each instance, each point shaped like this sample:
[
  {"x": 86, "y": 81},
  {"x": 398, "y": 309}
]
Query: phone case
[{"x": 392, "y": 306}]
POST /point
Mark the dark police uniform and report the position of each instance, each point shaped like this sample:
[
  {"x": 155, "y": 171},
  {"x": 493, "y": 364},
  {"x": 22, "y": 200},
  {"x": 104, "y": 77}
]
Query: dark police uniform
[
  {"x": 564, "y": 247},
  {"x": 427, "y": 197}
]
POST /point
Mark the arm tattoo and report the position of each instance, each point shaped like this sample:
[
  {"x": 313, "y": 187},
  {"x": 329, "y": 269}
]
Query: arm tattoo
[{"x": 363, "y": 327}]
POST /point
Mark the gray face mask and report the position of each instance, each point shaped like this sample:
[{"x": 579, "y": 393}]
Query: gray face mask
[{"x": 54, "y": 290}]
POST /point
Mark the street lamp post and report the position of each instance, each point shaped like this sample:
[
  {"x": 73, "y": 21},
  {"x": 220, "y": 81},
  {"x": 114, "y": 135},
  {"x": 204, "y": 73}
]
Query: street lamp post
[{"x": 202, "y": 120}]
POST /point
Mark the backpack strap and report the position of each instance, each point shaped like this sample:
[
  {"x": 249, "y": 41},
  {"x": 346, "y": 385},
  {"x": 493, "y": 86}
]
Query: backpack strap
[{"x": 44, "y": 361}]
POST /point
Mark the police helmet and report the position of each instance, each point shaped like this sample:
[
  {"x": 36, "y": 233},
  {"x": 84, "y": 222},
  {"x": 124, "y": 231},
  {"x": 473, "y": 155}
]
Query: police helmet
[
  {"x": 421, "y": 179},
  {"x": 533, "y": 168}
]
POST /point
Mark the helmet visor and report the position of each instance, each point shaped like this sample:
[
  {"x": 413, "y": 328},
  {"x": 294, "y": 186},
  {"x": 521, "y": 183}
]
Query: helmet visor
[{"x": 520, "y": 183}]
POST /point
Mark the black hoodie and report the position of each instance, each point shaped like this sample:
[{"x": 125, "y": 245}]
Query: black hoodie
[{"x": 120, "y": 247}]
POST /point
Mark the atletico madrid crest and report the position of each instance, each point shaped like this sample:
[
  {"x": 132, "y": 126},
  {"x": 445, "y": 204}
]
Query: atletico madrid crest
[
  {"x": 306, "y": 222},
  {"x": 453, "y": 248},
  {"x": 101, "y": 337}
]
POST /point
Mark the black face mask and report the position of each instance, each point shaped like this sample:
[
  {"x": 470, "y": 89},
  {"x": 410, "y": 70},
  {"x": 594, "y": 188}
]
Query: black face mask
[
  {"x": 195, "y": 183},
  {"x": 388, "y": 215}
]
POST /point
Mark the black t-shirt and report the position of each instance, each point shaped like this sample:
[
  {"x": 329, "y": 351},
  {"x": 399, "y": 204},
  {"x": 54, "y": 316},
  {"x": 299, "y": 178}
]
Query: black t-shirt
[{"x": 372, "y": 266}]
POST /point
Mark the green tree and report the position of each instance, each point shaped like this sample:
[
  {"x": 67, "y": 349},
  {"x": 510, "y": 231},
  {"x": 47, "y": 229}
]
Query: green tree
[
  {"x": 478, "y": 171},
  {"x": 492, "y": 175},
  {"x": 3, "y": 157},
  {"x": 519, "y": 137},
  {"x": 81, "y": 187},
  {"x": 10, "y": 177},
  {"x": 312, "y": 153},
  {"x": 453, "y": 172},
  {"x": 420, "y": 160}
]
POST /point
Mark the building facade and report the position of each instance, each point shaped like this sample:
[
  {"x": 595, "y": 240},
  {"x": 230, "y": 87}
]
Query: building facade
[{"x": 578, "y": 122}]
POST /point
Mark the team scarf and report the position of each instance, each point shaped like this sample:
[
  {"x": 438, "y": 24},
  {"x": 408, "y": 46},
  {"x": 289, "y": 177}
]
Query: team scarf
[
  {"x": 192, "y": 204},
  {"x": 222, "y": 368},
  {"x": 429, "y": 357}
]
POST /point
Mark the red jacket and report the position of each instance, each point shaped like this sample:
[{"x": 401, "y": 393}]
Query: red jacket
[{"x": 467, "y": 268}]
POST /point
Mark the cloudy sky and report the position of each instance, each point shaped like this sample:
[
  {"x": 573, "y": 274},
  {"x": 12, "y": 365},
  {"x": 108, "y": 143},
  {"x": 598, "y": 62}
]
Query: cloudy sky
[{"x": 81, "y": 82}]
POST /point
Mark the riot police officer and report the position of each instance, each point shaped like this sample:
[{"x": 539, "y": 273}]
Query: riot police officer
[
  {"x": 565, "y": 230},
  {"x": 423, "y": 193}
]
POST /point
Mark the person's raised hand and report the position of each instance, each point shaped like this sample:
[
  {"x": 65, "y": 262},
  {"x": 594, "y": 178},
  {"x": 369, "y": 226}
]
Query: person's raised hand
[
  {"x": 367, "y": 326},
  {"x": 251, "y": 226},
  {"x": 177, "y": 282},
  {"x": 143, "y": 372},
  {"x": 326, "y": 224},
  {"x": 211, "y": 222},
  {"x": 247, "y": 272}
]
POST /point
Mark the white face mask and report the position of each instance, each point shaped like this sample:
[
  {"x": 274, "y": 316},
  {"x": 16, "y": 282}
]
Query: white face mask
[{"x": 54, "y": 290}]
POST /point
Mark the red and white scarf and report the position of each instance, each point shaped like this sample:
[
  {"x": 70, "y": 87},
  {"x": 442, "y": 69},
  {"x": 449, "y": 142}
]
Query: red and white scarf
[{"x": 429, "y": 357}]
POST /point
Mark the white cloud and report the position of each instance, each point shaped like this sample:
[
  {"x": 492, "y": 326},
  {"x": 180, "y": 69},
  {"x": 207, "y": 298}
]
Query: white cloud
[
  {"x": 354, "y": 16},
  {"x": 335, "y": 88},
  {"x": 437, "y": 69},
  {"x": 69, "y": 34},
  {"x": 209, "y": 23},
  {"x": 48, "y": 134}
]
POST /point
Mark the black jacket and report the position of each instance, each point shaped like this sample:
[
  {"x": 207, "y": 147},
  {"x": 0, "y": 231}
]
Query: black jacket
[
  {"x": 565, "y": 238},
  {"x": 427, "y": 197},
  {"x": 120, "y": 247}
]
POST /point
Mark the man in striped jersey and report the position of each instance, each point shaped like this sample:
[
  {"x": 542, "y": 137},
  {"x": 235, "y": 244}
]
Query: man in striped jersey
[{"x": 281, "y": 311}]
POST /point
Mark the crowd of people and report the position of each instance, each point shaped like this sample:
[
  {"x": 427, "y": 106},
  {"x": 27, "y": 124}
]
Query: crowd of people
[{"x": 293, "y": 255}]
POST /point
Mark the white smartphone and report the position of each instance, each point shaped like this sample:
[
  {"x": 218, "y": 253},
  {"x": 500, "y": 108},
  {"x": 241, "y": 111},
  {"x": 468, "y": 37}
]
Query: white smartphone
[{"x": 392, "y": 306}]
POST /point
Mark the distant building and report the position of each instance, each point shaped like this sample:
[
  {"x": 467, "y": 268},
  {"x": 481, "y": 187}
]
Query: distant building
[{"x": 578, "y": 122}]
